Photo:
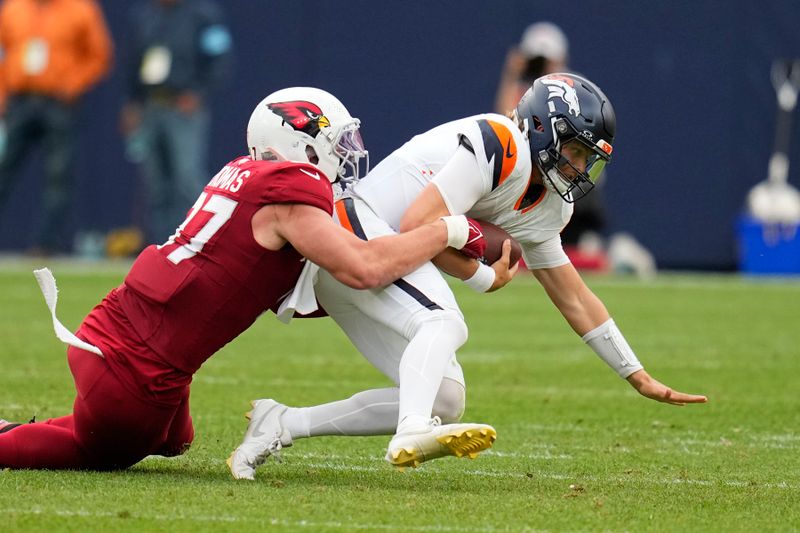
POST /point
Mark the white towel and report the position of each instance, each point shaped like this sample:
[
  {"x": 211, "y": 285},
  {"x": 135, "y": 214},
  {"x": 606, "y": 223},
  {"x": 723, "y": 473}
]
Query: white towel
[
  {"x": 48, "y": 285},
  {"x": 302, "y": 299}
]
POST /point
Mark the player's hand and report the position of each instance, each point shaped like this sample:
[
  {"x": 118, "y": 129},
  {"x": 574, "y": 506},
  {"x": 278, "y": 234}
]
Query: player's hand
[
  {"x": 476, "y": 242},
  {"x": 651, "y": 388},
  {"x": 503, "y": 272}
]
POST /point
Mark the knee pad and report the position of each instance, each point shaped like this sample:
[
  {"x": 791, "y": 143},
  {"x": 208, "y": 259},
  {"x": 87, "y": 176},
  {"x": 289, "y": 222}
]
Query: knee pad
[{"x": 450, "y": 401}]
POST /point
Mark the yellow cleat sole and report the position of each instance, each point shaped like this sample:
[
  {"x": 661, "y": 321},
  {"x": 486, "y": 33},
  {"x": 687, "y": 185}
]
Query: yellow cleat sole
[
  {"x": 406, "y": 457},
  {"x": 468, "y": 443},
  {"x": 465, "y": 443}
]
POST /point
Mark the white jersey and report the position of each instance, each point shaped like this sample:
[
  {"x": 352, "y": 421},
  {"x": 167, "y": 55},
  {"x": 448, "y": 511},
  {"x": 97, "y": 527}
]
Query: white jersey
[{"x": 494, "y": 187}]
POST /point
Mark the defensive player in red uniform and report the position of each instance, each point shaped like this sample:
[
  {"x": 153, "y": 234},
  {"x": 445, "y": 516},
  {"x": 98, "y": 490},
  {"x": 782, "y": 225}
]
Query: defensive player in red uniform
[{"x": 239, "y": 252}]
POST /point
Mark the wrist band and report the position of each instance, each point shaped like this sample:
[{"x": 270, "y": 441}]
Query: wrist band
[
  {"x": 608, "y": 343},
  {"x": 457, "y": 230},
  {"x": 482, "y": 279}
]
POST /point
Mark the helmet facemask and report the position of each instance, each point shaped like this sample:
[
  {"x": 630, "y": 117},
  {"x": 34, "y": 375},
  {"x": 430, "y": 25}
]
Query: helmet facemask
[
  {"x": 559, "y": 174},
  {"x": 349, "y": 148}
]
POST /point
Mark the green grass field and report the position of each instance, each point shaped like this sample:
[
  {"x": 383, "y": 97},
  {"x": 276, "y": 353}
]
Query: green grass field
[{"x": 577, "y": 448}]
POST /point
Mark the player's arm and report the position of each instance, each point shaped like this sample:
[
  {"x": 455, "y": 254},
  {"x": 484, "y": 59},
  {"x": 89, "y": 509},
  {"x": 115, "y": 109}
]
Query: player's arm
[
  {"x": 356, "y": 263},
  {"x": 454, "y": 190},
  {"x": 588, "y": 317}
]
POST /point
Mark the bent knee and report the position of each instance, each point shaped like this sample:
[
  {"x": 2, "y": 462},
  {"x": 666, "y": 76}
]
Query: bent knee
[
  {"x": 447, "y": 324},
  {"x": 450, "y": 401}
]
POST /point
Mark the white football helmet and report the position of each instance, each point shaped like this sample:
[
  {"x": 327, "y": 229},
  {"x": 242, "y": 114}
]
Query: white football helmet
[{"x": 307, "y": 125}]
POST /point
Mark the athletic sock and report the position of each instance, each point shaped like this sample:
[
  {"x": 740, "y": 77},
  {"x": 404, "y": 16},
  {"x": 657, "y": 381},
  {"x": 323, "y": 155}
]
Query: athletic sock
[{"x": 371, "y": 412}]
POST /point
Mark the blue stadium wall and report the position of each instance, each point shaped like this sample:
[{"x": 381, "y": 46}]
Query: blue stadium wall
[{"x": 690, "y": 81}]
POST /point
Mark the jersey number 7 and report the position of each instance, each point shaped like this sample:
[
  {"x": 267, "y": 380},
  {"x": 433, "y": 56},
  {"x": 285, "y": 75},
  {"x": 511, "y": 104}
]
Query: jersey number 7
[{"x": 208, "y": 214}]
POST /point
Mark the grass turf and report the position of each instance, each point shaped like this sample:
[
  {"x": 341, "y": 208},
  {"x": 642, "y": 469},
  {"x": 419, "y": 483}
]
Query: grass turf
[{"x": 577, "y": 448}]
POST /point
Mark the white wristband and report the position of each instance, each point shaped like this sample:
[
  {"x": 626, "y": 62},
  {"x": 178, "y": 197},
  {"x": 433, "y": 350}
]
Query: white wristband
[
  {"x": 457, "y": 230},
  {"x": 607, "y": 342},
  {"x": 482, "y": 279}
]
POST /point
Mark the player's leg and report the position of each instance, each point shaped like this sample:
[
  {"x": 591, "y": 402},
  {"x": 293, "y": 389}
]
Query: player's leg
[
  {"x": 421, "y": 308},
  {"x": 40, "y": 445},
  {"x": 110, "y": 427},
  {"x": 425, "y": 373},
  {"x": 180, "y": 433},
  {"x": 273, "y": 426},
  {"x": 53, "y": 443},
  {"x": 407, "y": 341},
  {"x": 367, "y": 413},
  {"x": 375, "y": 411}
]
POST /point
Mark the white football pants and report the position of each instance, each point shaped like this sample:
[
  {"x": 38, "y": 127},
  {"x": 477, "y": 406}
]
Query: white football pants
[{"x": 409, "y": 330}]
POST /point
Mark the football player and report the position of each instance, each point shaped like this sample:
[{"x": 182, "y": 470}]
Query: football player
[
  {"x": 522, "y": 173},
  {"x": 240, "y": 251}
]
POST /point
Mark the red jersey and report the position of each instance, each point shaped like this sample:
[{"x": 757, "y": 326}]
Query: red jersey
[{"x": 187, "y": 298}]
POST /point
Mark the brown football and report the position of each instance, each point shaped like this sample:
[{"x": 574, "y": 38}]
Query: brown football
[{"x": 495, "y": 235}]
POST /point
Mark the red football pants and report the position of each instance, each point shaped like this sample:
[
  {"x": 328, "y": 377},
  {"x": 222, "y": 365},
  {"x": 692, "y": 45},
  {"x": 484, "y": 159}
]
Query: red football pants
[{"x": 109, "y": 427}]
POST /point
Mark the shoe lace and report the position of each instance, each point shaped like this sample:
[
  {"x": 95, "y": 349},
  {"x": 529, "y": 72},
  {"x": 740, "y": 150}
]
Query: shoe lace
[{"x": 274, "y": 449}]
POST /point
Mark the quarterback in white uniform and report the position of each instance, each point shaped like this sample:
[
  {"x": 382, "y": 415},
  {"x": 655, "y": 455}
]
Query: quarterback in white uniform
[{"x": 520, "y": 173}]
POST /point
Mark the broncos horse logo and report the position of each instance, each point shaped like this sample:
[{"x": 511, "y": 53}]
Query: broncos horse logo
[
  {"x": 562, "y": 87},
  {"x": 301, "y": 115}
]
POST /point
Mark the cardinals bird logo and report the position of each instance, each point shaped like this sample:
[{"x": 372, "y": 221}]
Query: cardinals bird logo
[
  {"x": 562, "y": 87},
  {"x": 301, "y": 115}
]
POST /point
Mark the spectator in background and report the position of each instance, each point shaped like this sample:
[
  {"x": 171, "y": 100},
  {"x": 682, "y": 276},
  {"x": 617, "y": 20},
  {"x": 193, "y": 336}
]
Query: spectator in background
[
  {"x": 180, "y": 50},
  {"x": 53, "y": 52},
  {"x": 544, "y": 49}
]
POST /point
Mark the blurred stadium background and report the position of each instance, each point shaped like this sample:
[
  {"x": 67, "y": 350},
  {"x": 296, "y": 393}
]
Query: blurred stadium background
[{"x": 690, "y": 82}]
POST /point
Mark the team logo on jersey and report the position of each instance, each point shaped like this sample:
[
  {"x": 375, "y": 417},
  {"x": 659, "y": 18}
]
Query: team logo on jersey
[
  {"x": 301, "y": 115},
  {"x": 563, "y": 87}
]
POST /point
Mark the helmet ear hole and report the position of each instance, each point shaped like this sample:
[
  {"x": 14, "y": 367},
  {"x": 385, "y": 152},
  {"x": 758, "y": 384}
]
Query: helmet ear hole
[
  {"x": 269, "y": 155},
  {"x": 537, "y": 124},
  {"x": 312, "y": 156}
]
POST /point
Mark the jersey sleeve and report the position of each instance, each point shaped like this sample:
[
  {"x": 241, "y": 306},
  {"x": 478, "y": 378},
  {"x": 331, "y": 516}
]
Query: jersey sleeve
[
  {"x": 495, "y": 148},
  {"x": 297, "y": 184},
  {"x": 545, "y": 254},
  {"x": 459, "y": 182}
]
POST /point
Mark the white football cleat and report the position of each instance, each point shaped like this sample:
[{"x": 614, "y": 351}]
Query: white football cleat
[
  {"x": 432, "y": 440},
  {"x": 265, "y": 436}
]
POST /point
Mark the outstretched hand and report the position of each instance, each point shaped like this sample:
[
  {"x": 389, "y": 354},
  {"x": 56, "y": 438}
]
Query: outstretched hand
[{"x": 651, "y": 388}]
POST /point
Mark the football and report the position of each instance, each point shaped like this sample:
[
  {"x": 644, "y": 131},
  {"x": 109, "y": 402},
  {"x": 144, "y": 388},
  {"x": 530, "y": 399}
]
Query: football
[{"x": 495, "y": 235}]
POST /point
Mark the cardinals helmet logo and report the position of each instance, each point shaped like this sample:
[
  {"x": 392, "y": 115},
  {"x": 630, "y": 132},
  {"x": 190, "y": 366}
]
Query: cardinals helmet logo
[{"x": 301, "y": 115}]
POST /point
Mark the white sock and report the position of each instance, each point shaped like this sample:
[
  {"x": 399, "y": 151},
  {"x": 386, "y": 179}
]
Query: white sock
[
  {"x": 371, "y": 412},
  {"x": 424, "y": 362}
]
